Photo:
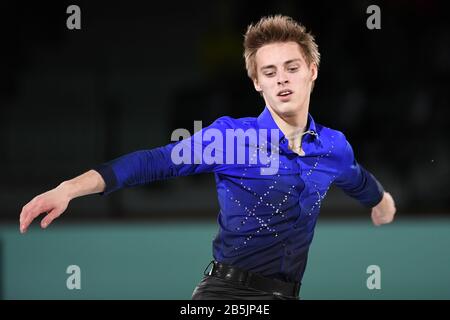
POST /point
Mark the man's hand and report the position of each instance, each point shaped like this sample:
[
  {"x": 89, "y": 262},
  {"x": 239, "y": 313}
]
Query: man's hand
[
  {"x": 53, "y": 202},
  {"x": 384, "y": 212}
]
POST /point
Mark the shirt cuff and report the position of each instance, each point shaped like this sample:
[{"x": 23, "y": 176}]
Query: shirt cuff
[
  {"x": 108, "y": 175},
  {"x": 377, "y": 194}
]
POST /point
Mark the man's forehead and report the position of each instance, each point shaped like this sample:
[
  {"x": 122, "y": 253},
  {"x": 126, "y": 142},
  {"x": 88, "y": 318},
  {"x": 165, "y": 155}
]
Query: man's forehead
[{"x": 279, "y": 54}]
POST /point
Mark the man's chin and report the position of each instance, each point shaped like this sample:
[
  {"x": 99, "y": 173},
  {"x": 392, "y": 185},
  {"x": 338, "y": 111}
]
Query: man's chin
[{"x": 287, "y": 109}]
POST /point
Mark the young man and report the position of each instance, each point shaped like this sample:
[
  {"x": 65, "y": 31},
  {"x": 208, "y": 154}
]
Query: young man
[{"x": 268, "y": 207}]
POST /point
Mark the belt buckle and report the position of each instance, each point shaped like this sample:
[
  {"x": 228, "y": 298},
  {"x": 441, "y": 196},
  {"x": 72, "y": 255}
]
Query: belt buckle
[{"x": 210, "y": 271}]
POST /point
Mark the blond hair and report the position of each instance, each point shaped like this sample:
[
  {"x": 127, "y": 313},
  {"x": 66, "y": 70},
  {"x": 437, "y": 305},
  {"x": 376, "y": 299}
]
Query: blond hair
[{"x": 278, "y": 28}]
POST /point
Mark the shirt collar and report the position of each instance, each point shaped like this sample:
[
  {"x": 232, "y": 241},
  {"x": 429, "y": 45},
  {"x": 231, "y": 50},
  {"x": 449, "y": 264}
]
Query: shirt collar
[{"x": 265, "y": 121}]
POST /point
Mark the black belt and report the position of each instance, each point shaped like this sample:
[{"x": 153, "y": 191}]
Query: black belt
[{"x": 253, "y": 280}]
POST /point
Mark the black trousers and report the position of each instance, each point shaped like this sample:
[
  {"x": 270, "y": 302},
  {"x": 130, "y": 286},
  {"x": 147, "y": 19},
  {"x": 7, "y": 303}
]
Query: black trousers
[{"x": 213, "y": 288}]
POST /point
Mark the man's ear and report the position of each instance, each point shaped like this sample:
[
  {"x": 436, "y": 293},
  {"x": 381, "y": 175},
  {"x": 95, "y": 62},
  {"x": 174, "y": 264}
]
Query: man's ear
[
  {"x": 256, "y": 85},
  {"x": 313, "y": 69}
]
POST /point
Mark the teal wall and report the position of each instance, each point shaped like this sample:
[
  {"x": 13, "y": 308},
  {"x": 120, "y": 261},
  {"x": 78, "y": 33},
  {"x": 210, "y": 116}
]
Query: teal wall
[{"x": 166, "y": 260}]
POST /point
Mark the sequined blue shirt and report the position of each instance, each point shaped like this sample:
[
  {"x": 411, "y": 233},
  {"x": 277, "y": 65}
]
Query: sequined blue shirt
[{"x": 266, "y": 222}]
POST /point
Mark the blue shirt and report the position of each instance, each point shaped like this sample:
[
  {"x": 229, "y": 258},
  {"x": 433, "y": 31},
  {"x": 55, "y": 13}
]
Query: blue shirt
[{"x": 266, "y": 222}]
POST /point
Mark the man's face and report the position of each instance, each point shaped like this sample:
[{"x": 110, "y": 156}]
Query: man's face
[{"x": 284, "y": 78}]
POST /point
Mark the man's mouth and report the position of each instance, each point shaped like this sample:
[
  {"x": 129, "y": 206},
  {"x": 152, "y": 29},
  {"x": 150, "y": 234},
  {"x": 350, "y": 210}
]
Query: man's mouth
[{"x": 284, "y": 93}]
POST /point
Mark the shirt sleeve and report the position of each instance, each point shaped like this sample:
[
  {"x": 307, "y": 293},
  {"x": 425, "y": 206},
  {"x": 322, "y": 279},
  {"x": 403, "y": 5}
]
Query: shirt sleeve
[
  {"x": 356, "y": 181},
  {"x": 181, "y": 158}
]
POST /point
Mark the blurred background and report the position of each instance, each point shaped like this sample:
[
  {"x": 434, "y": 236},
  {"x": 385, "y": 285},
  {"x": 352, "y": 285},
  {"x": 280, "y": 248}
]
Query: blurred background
[{"x": 71, "y": 99}]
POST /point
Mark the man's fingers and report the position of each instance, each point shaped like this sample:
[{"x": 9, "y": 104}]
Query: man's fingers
[
  {"x": 376, "y": 220},
  {"x": 23, "y": 215},
  {"x": 26, "y": 217},
  {"x": 29, "y": 213},
  {"x": 379, "y": 219},
  {"x": 52, "y": 215},
  {"x": 29, "y": 216},
  {"x": 22, "y": 219}
]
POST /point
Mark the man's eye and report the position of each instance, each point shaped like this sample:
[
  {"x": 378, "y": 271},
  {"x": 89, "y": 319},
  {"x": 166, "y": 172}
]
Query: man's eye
[
  {"x": 269, "y": 74},
  {"x": 292, "y": 69}
]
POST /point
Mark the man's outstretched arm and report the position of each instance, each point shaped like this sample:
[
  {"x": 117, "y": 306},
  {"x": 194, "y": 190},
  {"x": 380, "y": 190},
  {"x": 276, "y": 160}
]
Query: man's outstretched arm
[
  {"x": 133, "y": 169},
  {"x": 55, "y": 201},
  {"x": 360, "y": 184}
]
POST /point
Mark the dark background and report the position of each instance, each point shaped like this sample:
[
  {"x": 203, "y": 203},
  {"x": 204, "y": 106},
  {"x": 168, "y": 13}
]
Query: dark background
[{"x": 70, "y": 99}]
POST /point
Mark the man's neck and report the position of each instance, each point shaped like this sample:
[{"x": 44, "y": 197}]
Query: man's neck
[{"x": 292, "y": 125}]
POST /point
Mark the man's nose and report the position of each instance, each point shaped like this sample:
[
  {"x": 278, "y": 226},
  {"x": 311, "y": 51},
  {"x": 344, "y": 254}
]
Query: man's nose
[{"x": 282, "y": 78}]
